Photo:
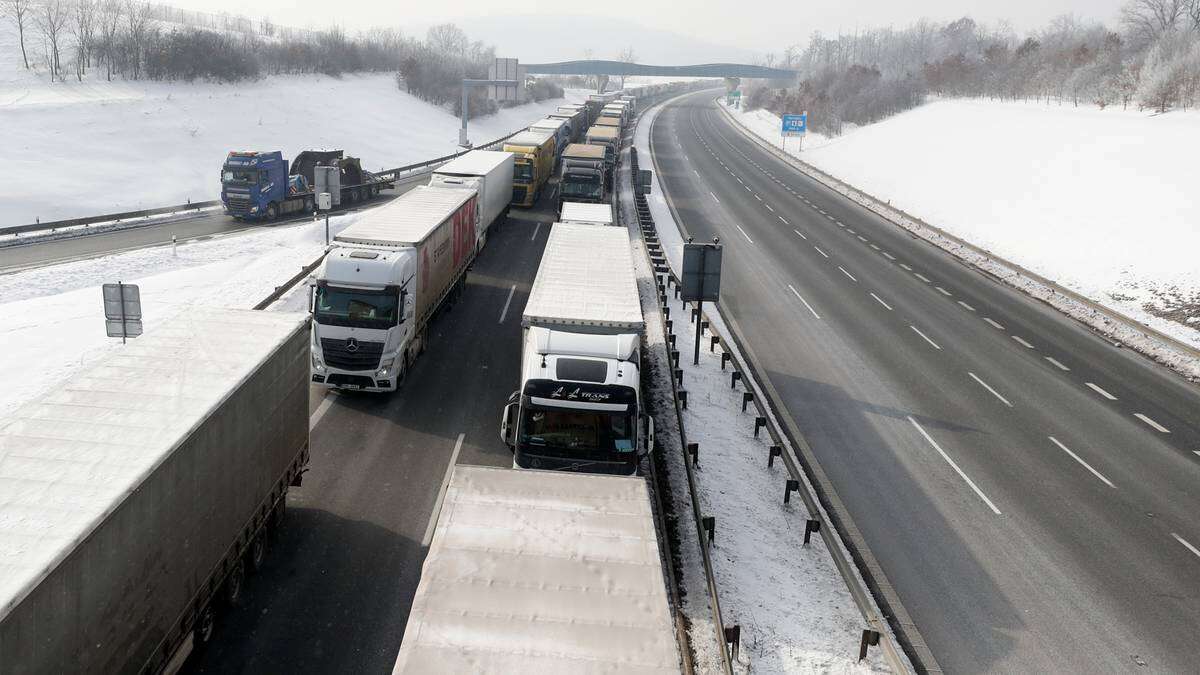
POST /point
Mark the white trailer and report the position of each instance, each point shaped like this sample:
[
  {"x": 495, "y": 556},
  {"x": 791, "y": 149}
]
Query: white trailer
[
  {"x": 382, "y": 283},
  {"x": 541, "y": 572},
  {"x": 487, "y": 172},
  {"x": 586, "y": 214},
  {"x": 579, "y": 405}
]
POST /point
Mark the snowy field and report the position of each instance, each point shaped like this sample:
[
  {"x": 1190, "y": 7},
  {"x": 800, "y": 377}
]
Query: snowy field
[
  {"x": 76, "y": 149},
  {"x": 1104, "y": 202}
]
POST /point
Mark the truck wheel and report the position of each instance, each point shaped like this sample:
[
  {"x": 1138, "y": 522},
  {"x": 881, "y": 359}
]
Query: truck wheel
[
  {"x": 206, "y": 624},
  {"x": 257, "y": 555},
  {"x": 272, "y": 211},
  {"x": 235, "y": 584}
]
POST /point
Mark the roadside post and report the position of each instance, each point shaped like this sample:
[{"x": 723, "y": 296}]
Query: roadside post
[
  {"x": 794, "y": 126},
  {"x": 122, "y": 310},
  {"x": 701, "y": 280},
  {"x": 324, "y": 202}
]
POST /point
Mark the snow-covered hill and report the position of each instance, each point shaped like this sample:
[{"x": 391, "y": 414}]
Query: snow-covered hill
[
  {"x": 74, "y": 149},
  {"x": 1105, "y": 202}
]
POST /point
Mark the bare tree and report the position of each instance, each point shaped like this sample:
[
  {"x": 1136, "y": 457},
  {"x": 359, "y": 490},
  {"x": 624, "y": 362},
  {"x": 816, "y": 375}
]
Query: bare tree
[
  {"x": 1193, "y": 12},
  {"x": 137, "y": 20},
  {"x": 109, "y": 24},
  {"x": 447, "y": 38},
  {"x": 626, "y": 55},
  {"x": 16, "y": 12},
  {"x": 1147, "y": 20},
  {"x": 83, "y": 27},
  {"x": 51, "y": 20}
]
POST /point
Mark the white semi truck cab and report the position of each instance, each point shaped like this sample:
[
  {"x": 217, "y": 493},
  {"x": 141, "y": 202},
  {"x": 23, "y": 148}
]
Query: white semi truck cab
[{"x": 580, "y": 405}]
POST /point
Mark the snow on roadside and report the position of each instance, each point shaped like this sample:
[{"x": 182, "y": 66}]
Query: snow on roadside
[
  {"x": 797, "y": 615},
  {"x": 1102, "y": 202}
]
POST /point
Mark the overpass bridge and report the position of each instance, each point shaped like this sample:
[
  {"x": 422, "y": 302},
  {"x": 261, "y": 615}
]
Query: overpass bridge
[{"x": 623, "y": 69}]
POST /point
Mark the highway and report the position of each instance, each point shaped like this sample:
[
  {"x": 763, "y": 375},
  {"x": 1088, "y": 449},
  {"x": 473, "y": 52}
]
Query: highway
[
  {"x": 339, "y": 581},
  {"x": 1029, "y": 488}
]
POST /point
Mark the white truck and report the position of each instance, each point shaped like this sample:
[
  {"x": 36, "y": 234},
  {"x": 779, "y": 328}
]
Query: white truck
[
  {"x": 579, "y": 406},
  {"x": 586, "y": 214},
  {"x": 559, "y": 127},
  {"x": 137, "y": 495},
  {"x": 541, "y": 572},
  {"x": 488, "y": 173},
  {"x": 382, "y": 283}
]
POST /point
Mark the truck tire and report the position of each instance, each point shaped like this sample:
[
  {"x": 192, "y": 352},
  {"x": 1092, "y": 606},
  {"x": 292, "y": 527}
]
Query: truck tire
[
  {"x": 206, "y": 625},
  {"x": 272, "y": 211},
  {"x": 256, "y": 555},
  {"x": 235, "y": 584}
]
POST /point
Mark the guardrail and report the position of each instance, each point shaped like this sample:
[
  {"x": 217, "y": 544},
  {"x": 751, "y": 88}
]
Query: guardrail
[{"x": 396, "y": 174}]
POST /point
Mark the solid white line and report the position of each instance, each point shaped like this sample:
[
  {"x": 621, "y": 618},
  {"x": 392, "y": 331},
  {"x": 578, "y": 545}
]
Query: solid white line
[
  {"x": 944, "y": 291},
  {"x": 797, "y": 294},
  {"x": 889, "y": 256},
  {"x": 1183, "y": 541},
  {"x": 504, "y": 311},
  {"x": 739, "y": 227},
  {"x": 994, "y": 324},
  {"x": 935, "y": 345},
  {"x": 784, "y": 220},
  {"x": 1152, "y": 423},
  {"x": 323, "y": 408},
  {"x": 843, "y": 269},
  {"x": 441, "y": 496},
  {"x": 955, "y": 466},
  {"x": 966, "y": 305},
  {"x": 1020, "y": 340},
  {"x": 986, "y": 386},
  {"x": 1058, "y": 365},
  {"x": 822, "y": 252},
  {"x": 796, "y": 231},
  {"x": 769, "y": 208},
  {"x": 714, "y": 197},
  {"x": 922, "y": 277},
  {"x": 1087, "y": 466},
  {"x": 1100, "y": 391},
  {"x": 880, "y": 300}
]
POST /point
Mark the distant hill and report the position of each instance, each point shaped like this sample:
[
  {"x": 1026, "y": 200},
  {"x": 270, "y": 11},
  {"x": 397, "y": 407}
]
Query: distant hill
[{"x": 565, "y": 38}]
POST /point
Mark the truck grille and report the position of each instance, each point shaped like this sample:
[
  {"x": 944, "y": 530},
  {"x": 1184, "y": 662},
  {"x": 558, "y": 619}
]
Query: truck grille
[
  {"x": 238, "y": 205},
  {"x": 518, "y": 195},
  {"x": 365, "y": 355}
]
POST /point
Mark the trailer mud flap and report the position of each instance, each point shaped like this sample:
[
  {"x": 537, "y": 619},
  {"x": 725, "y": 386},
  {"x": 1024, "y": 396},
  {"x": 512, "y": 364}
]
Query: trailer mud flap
[{"x": 298, "y": 479}]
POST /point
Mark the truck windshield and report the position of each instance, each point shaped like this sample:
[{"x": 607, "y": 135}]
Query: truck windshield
[
  {"x": 577, "y": 430},
  {"x": 581, "y": 186},
  {"x": 357, "y": 308},
  {"x": 523, "y": 171},
  {"x": 249, "y": 176}
]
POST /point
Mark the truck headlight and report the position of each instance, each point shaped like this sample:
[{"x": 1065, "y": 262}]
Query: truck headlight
[
  {"x": 385, "y": 368},
  {"x": 253, "y": 209},
  {"x": 316, "y": 362}
]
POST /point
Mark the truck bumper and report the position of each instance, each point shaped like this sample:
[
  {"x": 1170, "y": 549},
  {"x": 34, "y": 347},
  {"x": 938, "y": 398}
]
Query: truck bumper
[{"x": 353, "y": 380}]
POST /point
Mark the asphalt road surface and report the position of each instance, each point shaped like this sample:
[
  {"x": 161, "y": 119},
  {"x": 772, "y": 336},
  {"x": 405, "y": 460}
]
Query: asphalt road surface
[
  {"x": 339, "y": 581},
  {"x": 1030, "y": 489}
]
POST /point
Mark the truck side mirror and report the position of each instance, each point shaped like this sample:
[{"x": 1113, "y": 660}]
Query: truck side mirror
[
  {"x": 508, "y": 426},
  {"x": 648, "y": 438}
]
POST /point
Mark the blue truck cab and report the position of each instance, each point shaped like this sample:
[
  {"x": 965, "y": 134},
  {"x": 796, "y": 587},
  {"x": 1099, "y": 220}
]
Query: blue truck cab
[{"x": 255, "y": 185}]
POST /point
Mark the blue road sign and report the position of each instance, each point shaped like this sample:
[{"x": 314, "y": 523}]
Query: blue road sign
[{"x": 795, "y": 125}]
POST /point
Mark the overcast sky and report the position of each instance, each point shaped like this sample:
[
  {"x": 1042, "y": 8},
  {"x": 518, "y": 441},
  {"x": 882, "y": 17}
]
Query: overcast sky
[{"x": 760, "y": 25}]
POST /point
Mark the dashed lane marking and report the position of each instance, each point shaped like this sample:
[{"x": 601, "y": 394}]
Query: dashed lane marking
[
  {"x": 993, "y": 324},
  {"x": 926, "y": 337},
  {"x": 1021, "y": 341},
  {"x": 880, "y": 301},
  {"x": 1079, "y": 459},
  {"x": 953, "y": 465},
  {"x": 985, "y": 385},
  {"x": 1100, "y": 391},
  {"x": 1058, "y": 365},
  {"x": 1160, "y": 428},
  {"x": 801, "y": 298}
]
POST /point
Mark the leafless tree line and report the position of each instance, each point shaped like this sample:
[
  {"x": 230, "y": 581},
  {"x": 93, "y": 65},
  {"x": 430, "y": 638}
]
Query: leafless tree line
[{"x": 1152, "y": 60}]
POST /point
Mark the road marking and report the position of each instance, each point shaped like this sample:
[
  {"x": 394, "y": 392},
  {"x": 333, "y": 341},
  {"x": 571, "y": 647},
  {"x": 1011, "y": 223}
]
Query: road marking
[
  {"x": 739, "y": 180},
  {"x": 843, "y": 269},
  {"x": 849, "y": 230},
  {"x": 784, "y": 220},
  {"x": 714, "y": 197},
  {"x": 989, "y": 388},
  {"x": 1152, "y": 423},
  {"x": 758, "y": 198},
  {"x": 441, "y": 496},
  {"x": 536, "y": 227},
  {"x": 1100, "y": 391},
  {"x": 1183, "y": 541},
  {"x": 994, "y": 324},
  {"x": 944, "y": 292},
  {"x": 797, "y": 232},
  {"x": 504, "y": 311},
  {"x": 739, "y": 227},
  {"x": 906, "y": 267},
  {"x": 960, "y": 472},
  {"x": 323, "y": 408},
  {"x": 922, "y": 277},
  {"x": 748, "y": 189},
  {"x": 935, "y": 345},
  {"x": 821, "y": 252},
  {"x": 769, "y": 208},
  {"x": 875, "y": 247},
  {"x": 1021, "y": 341},
  {"x": 1079, "y": 459},
  {"x": 696, "y": 172},
  {"x": 889, "y": 256},
  {"x": 1058, "y": 365},
  {"x": 862, "y": 239},
  {"x": 968, "y": 307},
  {"x": 880, "y": 301},
  {"x": 797, "y": 294}
]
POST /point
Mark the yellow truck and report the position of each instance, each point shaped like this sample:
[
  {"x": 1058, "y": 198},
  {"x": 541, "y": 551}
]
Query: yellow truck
[{"x": 535, "y": 155}]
